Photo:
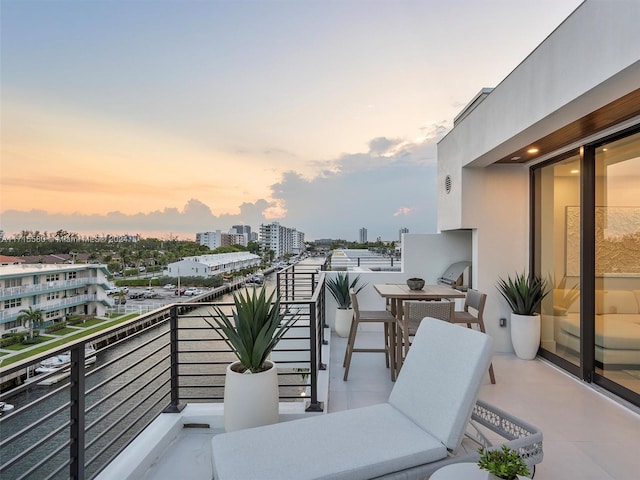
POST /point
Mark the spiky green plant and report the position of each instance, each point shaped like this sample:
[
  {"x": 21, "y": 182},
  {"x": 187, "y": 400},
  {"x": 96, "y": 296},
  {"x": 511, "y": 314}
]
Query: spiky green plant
[
  {"x": 504, "y": 463},
  {"x": 257, "y": 325},
  {"x": 523, "y": 293},
  {"x": 339, "y": 287}
]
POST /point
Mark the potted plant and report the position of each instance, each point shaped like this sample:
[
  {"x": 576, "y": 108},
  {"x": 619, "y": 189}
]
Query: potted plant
[
  {"x": 251, "y": 383},
  {"x": 504, "y": 463},
  {"x": 415, "y": 283},
  {"x": 524, "y": 294},
  {"x": 339, "y": 287}
]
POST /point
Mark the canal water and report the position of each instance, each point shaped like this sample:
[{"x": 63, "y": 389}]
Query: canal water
[{"x": 134, "y": 373}]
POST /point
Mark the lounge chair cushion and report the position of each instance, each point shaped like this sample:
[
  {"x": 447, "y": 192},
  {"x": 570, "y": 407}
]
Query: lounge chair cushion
[
  {"x": 427, "y": 412},
  {"x": 441, "y": 399},
  {"x": 353, "y": 444}
]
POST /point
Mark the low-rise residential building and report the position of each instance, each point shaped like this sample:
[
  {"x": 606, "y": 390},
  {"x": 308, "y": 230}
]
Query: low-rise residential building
[
  {"x": 214, "y": 264},
  {"x": 57, "y": 290}
]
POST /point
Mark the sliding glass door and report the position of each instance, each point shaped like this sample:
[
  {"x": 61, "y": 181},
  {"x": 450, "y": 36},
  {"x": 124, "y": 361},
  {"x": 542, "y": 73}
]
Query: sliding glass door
[{"x": 586, "y": 242}]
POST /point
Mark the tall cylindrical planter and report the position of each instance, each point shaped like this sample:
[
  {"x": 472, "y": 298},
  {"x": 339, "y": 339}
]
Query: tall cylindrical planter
[
  {"x": 344, "y": 317},
  {"x": 525, "y": 335},
  {"x": 250, "y": 400}
]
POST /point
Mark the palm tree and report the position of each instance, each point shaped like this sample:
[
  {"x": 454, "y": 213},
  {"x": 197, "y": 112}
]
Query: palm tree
[{"x": 32, "y": 317}]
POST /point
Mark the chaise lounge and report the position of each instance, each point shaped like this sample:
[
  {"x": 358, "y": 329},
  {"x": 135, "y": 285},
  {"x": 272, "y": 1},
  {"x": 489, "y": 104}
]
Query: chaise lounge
[{"x": 419, "y": 428}]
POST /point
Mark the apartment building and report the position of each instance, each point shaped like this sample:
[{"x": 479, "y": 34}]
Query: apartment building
[
  {"x": 281, "y": 240},
  {"x": 210, "y": 265},
  {"x": 57, "y": 290},
  {"x": 215, "y": 239}
]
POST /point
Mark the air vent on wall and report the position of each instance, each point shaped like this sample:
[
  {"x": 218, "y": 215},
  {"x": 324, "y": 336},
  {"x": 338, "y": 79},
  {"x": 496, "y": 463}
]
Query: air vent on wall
[{"x": 447, "y": 184}]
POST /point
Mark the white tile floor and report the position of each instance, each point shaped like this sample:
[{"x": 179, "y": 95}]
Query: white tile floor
[{"x": 587, "y": 436}]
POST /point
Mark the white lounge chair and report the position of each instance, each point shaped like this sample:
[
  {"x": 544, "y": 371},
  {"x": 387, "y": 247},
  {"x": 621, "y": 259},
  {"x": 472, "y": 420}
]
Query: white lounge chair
[{"x": 421, "y": 423}]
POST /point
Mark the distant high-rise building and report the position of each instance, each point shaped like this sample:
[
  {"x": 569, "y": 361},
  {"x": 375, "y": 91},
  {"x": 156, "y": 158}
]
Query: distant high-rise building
[
  {"x": 215, "y": 239},
  {"x": 241, "y": 234},
  {"x": 363, "y": 235},
  {"x": 281, "y": 240},
  {"x": 401, "y": 231}
]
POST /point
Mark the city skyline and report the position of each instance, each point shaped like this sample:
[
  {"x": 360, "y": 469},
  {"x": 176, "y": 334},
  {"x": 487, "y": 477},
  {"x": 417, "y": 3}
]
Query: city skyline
[{"x": 177, "y": 117}]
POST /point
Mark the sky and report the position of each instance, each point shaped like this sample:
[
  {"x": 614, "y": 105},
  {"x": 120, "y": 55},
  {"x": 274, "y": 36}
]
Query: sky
[{"x": 171, "y": 117}]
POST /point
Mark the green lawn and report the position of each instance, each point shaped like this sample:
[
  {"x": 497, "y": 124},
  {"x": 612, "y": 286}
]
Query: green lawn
[
  {"x": 63, "y": 331},
  {"x": 21, "y": 346},
  {"x": 51, "y": 345}
]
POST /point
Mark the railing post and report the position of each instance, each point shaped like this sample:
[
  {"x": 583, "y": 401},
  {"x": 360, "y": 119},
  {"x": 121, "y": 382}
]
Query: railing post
[
  {"x": 316, "y": 360},
  {"x": 77, "y": 387},
  {"x": 174, "y": 406}
]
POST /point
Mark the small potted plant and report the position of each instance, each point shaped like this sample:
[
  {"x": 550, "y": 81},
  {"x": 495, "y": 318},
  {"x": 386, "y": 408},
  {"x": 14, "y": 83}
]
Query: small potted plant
[
  {"x": 251, "y": 383},
  {"x": 504, "y": 463},
  {"x": 415, "y": 283},
  {"x": 524, "y": 294},
  {"x": 339, "y": 287}
]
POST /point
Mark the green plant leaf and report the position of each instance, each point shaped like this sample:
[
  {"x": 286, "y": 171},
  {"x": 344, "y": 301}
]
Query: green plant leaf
[
  {"x": 257, "y": 324},
  {"x": 339, "y": 287},
  {"x": 524, "y": 293}
]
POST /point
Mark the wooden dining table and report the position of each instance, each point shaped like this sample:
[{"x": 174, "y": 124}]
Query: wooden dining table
[{"x": 396, "y": 294}]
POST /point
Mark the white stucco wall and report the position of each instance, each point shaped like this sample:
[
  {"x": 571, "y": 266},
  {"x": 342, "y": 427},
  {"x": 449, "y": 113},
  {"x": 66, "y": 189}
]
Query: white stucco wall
[
  {"x": 590, "y": 60},
  {"x": 424, "y": 255}
]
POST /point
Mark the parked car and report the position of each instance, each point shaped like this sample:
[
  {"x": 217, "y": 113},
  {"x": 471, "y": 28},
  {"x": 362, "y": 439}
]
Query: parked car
[
  {"x": 136, "y": 295},
  {"x": 180, "y": 291},
  {"x": 169, "y": 286},
  {"x": 192, "y": 291},
  {"x": 149, "y": 293}
]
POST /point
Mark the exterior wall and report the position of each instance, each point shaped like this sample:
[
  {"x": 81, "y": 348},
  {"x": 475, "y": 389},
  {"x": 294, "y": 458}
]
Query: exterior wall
[
  {"x": 590, "y": 60},
  {"x": 57, "y": 290},
  {"x": 587, "y": 62},
  {"x": 428, "y": 255}
]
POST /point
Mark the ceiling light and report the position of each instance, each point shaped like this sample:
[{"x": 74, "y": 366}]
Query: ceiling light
[
  {"x": 574, "y": 171},
  {"x": 533, "y": 150},
  {"x": 515, "y": 158}
]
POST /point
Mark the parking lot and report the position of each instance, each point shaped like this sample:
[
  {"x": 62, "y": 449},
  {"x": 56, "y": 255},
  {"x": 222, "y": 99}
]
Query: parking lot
[{"x": 154, "y": 297}]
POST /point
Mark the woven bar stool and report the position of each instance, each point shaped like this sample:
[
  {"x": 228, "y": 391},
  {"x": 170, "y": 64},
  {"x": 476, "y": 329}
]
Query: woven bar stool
[
  {"x": 414, "y": 312},
  {"x": 371, "y": 316}
]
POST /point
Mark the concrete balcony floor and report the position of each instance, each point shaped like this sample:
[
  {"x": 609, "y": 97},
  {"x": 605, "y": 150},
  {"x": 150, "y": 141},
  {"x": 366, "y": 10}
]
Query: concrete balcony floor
[{"x": 587, "y": 435}]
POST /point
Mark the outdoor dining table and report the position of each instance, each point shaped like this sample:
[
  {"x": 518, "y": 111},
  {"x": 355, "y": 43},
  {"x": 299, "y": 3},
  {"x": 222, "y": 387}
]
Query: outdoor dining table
[{"x": 396, "y": 294}]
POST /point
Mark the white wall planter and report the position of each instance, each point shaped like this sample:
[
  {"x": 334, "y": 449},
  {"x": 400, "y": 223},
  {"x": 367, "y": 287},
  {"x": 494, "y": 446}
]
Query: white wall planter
[
  {"x": 344, "y": 317},
  {"x": 525, "y": 335},
  {"x": 250, "y": 400}
]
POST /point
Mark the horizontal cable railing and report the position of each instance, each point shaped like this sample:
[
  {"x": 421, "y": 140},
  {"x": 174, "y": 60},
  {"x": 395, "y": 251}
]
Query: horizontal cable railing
[{"x": 72, "y": 422}]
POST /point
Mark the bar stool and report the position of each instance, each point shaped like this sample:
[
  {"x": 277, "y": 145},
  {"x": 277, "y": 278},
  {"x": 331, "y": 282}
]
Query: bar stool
[
  {"x": 414, "y": 311},
  {"x": 476, "y": 301},
  {"x": 371, "y": 316}
]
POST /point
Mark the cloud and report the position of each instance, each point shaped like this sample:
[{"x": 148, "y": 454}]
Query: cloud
[{"x": 391, "y": 186}]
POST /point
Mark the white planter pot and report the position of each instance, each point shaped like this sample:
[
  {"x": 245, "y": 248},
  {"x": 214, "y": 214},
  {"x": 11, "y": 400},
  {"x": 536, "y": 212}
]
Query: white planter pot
[
  {"x": 525, "y": 335},
  {"x": 250, "y": 400},
  {"x": 344, "y": 317}
]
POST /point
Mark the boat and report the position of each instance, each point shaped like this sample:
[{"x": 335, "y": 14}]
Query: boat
[
  {"x": 256, "y": 279},
  {"x": 5, "y": 407},
  {"x": 63, "y": 361}
]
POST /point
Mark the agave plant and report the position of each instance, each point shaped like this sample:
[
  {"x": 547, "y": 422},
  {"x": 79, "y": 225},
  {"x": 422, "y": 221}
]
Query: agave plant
[
  {"x": 256, "y": 327},
  {"x": 523, "y": 293},
  {"x": 339, "y": 287}
]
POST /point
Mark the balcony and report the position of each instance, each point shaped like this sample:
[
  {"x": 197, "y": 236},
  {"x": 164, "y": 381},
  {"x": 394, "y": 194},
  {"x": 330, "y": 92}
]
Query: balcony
[{"x": 149, "y": 368}]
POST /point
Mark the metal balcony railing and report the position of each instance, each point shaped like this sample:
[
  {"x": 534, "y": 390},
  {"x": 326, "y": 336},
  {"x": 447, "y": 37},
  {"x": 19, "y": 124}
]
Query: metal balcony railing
[{"x": 72, "y": 422}]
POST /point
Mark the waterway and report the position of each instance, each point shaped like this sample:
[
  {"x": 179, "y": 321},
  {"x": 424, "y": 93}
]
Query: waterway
[{"x": 136, "y": 377}]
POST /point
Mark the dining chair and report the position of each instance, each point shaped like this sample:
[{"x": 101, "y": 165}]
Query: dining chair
[
  {"x": 371, "y": 316},
  {"x": 414, "y": 312},
  {"x": 475, "y": 300}
]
